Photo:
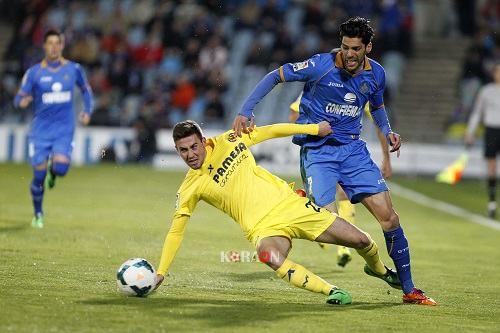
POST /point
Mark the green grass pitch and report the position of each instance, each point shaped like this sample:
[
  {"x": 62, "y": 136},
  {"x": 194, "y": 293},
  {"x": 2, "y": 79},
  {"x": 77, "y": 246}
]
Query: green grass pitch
[{"x": 62, "y": 278}]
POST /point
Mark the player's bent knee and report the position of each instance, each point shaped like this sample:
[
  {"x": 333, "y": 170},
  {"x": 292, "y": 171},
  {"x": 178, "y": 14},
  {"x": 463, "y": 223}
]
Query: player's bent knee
[
  {"x": 60, "y": 169},
  {"x": 389, "y": 220},
  {"x": 271, "y": 256}
]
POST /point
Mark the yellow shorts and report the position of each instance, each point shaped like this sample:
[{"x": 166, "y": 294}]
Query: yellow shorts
[{"x": 294, "y": 217}]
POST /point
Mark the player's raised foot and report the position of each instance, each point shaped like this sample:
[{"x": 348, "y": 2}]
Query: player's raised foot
[
  {"x": 343, "y": 256},
  {"x": 37, "y": 221},
  {"x": 390, "y": 277},
  {"x": 339, "y": 297},
  {"x": 417, "y": 296},
  {"x": 50, "y": 178}
]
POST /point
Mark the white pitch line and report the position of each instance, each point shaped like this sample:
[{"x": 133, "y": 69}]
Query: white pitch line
[{"x": 424, "y": 200}]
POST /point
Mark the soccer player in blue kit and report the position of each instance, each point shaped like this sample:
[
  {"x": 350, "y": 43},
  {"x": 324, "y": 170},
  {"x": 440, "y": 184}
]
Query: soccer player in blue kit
[
  {"x": 49, "y": 86},
  {"x": 337, "y": 86}
]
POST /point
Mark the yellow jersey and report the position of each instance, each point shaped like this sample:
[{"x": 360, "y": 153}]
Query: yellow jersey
[{"x": 231, "y": 181}]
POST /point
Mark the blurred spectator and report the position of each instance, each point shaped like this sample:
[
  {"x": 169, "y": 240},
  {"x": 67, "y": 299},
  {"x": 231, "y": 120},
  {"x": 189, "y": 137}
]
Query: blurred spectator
[
  {"x": 143, "y": 147},
  {"x": 466, "y": 21}
]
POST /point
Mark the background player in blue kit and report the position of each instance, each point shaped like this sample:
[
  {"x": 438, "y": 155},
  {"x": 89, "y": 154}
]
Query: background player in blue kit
[
  {"x": 337, "y": 86},
  {"x": 49, "y": 87}
]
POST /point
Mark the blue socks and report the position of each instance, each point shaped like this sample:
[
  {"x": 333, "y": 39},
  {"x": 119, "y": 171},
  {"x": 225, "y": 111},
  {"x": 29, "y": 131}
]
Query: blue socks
[
  {"x": 37, "y": 190},
  {"x": 397, "y": 247}
]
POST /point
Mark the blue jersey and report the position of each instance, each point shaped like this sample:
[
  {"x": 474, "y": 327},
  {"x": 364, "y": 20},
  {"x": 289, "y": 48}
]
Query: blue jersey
[
  {"x": 52, "y": 92},
  {"x": 332, "y": 94}
]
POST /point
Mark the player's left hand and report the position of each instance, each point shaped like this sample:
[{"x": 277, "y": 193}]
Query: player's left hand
[
  {"x": 159, "y": 280},
  {"x": 395, "y": 142},
  {"x": 84, "y": 118}
]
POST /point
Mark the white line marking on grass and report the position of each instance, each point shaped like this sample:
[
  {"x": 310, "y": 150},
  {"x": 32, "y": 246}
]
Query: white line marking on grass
[{"x": 424, "y": 200}]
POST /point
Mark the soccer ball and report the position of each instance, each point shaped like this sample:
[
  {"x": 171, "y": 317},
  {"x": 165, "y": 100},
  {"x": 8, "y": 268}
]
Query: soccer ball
[{"x": 136, "y": 277}]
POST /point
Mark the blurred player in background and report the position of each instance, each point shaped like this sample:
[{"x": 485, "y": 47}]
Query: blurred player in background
[
  {"x": 224, "y": 174},
  {"x": 49, "y": 87},
  {"x": 346, "y": 209},
  {"x": 337, "y": 86},
  {"x": 487, "y": 110}
]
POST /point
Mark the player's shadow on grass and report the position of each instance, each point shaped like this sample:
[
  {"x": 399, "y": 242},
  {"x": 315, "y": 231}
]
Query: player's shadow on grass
[
  {"x": 13, "y": 225},
  {"x": 218, "y": 312}
]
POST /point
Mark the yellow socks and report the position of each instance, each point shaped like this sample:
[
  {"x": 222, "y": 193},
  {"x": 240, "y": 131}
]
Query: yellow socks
[
  {"x": 300, "y": 277},
  {"x": 372, "y": 258},
  {"x": 346, "y": 210}
]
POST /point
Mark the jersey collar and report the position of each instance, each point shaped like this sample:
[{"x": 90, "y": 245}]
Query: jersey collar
[
  {"x": 339, "y": 63},
  {"x": 45, "y": 64},
  {"x": 206, "y": 163}
]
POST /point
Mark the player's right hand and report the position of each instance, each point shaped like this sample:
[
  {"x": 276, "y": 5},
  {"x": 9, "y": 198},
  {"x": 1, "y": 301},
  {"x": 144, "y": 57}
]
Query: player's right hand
[
  {"x": 84, "y": 118},
  {"x": 395, "y": 142},
  {"x": 25, "y": 101},
  {"x": 469, "y": 140},
  {"x": 240, "y": 125},
  {"x": 159, "y": 280},
  {"x": 324, "y": 128}
]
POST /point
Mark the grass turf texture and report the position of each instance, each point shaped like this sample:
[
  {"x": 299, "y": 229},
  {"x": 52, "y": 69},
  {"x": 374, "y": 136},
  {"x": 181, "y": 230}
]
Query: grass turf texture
[{"x": 62, "y": 277}]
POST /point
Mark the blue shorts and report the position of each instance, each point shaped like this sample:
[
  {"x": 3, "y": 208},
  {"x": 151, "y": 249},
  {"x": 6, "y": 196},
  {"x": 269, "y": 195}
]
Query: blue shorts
[
  {"x": 350, "y": 165},
  {"x": 40, "y": 149}
]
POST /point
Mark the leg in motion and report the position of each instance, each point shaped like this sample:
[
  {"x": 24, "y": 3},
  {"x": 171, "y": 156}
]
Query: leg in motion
[
  {"x": 36, "y": 189},
  {"x": 380, "y": 205},
  {"x": 492, "y": 187},
  {"x": 275, "y": 251},
  {"x": 346, "y": 234},
  {"x": 58, "y": 166}
]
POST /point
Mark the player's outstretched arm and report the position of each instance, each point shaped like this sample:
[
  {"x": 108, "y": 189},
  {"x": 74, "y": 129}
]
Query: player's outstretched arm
[
  {"x": 260, "y": 91},
  {"x": 281, "y": 130},
  {"x": 171, "y": 245}
]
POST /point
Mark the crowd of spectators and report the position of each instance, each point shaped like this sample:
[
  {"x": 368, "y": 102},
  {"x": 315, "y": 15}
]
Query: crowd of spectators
[{"x": 163, "y": 61}]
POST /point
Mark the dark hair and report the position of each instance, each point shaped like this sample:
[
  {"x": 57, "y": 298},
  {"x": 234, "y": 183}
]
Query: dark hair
[
  {"x": 51, "y": 32},
  {"x": 186, "y": 128},
  {"x": 357, "y": 27}
]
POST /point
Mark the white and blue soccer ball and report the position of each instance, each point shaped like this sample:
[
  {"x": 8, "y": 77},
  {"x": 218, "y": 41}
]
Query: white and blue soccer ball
[{"x": 136, "y": 277}]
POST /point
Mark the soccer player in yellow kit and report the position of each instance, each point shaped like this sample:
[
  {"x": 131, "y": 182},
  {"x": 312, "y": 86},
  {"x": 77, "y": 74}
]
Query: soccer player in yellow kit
[
  {"x": 345, "y": 208},
  {"x": 223, "y": 173}
]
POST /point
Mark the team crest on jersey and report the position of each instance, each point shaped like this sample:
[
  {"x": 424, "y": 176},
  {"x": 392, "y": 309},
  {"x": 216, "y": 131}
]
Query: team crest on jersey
[
  {"x": 300, "y": 65},
  {"x": 231, "y": 137},
  {"x": 364, "y": 88}
]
